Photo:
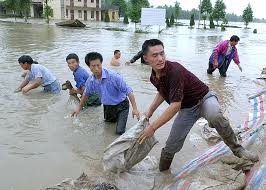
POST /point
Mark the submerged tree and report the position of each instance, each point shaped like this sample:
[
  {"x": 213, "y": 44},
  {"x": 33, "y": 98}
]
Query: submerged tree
[
  {"x": 167, "y": 22},
  {"x": 172, "y": 20},
  {"x": 125, "y": 21},
  {"x": 12, "y": 5},
  {"x": 218, "y": 12},
  {"x": 106, "y": 17},
  {"x": 122, "y": 6},
  {"x": 192, "y": 20},
  {"x": 177, "y": 10},
  {"x": 206, "y": 9},
  {"x": 47, "y": 11},
  {"x": 248, "y": 15},
  {"x": 135, "y": 10},
  {"x": 24, "y": 8},
  {"x": 211, "y": 22}
]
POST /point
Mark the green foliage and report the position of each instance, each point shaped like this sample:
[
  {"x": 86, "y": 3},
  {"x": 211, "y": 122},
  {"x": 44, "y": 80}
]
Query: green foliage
[
  {"x": 177, "y": 9},
  {"x": 211, "y": 23},
  {"x": 206, "y": 9},
  {"x": 135, "y": 9},
  {"x": 192, "y": 20},
  {"x": 47, "y": 11},
  {"x": 172, "y": 20},
  {"x": 12, "y": 5},
  {"x": 167, "y": 22},
  {"x": 106, "y": 17},
  {"x": 24, "y": 8},
  {"x": 222, "y": 28},
  {"x": 247, "y": 15},
  {"x": 255, "y": 31},
  {"x": 218, "y": 12},
  {"x": 125, "y": 21},
  {"x": 122, "y": 6}
]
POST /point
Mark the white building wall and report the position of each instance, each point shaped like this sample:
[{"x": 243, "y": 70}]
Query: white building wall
[{"x": 58, "y": 7}]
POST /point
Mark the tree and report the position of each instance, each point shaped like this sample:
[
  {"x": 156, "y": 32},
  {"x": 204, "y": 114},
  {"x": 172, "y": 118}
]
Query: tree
[
  {"x": 211, "y": 22},
  {"x": 106, "y": 17},
  {"x": 135, "y": 9},
  {"x": 172, "y": 20},
  {"x": 122, "y": 6},
  {"x": 192, "y": 20},
  {"x": 218, "y": 12},
  {"x": 24, "y": 8},
  {"x": 167, "y": 22},
  {"x": 247, "y": 15},
  {"x": 177, "y": 9},
  {"x": 47, "y": 11},
  {"x": 206, "y": 9},
  {"x": 125, "y": 21},
  {"x": 12, "y": 5}
]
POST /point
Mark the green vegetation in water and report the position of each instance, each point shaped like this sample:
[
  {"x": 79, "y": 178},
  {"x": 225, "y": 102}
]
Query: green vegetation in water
[
  {"x": 141, "y": 31},
  {"x": 116, "y": 29}
]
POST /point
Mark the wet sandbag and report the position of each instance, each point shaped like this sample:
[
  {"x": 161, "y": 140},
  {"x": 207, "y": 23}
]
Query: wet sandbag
[
  {"x": 83, "y": 182},
  {"x": 125, "y": 151}
]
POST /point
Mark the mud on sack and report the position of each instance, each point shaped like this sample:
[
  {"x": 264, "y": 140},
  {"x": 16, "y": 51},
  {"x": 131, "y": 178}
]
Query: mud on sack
[{"x": 125, "y": 151}]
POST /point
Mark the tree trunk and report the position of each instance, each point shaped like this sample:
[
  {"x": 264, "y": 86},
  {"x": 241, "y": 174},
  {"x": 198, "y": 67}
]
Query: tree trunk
[{"x": 135, "y": 26}]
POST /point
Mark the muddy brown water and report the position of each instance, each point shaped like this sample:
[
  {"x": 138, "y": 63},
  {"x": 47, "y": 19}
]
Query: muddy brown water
[{"x": 40, "y": 144}]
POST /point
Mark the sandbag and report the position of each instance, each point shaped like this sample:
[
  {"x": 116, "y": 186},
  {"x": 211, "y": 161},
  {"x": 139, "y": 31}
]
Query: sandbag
[{"x": 125, "y": 151}]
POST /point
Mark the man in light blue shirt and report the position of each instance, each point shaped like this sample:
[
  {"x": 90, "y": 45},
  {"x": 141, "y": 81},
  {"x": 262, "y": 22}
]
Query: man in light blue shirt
[{"x": 112, "y": 89}]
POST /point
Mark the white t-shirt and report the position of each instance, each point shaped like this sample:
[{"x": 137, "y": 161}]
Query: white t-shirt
[
  {"x": 229, "y": 49},
  {"x": 39, "y": 71}
]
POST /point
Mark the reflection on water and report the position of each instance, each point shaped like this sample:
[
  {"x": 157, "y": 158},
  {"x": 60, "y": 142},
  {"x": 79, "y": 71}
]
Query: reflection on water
[{"x": 37, "y": 132}]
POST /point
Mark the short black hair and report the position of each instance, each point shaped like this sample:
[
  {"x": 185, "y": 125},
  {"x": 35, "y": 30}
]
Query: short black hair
[
  {"x": 93, "y": 56},
  {"x": 72, "y": 56},
  {"x": 234, "y": 38},
  {"x": 150, "y": 43},
  {"x": 116, "y": 51},
  {"x": 26, "y": 59}
]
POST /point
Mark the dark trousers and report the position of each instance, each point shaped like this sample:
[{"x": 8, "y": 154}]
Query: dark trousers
[
  {"x": 117, "y": 113},
  {"x": 222, "y": 69}
]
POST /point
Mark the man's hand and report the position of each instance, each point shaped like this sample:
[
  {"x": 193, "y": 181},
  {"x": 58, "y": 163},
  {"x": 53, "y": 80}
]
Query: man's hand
[
  {"x": 146, "y": 134},
  {"x": 215, "y": 64},
  {"x": 25, "y": 89},
  {"x": 128, "y": 62},
  {"x": 239, "y": 67},
  {"x": 136, "y": 113},
  {"x": 76, "y": 112},
  {"x": 147, "y": 114},
  {"x": 18, "y": 90}
]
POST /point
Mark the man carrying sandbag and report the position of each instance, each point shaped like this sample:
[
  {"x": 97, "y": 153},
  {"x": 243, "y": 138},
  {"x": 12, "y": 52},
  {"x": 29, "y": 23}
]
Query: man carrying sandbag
[{"x": 189, "y": 96}]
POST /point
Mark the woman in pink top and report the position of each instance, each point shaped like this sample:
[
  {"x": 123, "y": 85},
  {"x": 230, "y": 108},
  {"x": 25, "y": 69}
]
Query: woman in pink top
[{"x": 223, "y": 54}]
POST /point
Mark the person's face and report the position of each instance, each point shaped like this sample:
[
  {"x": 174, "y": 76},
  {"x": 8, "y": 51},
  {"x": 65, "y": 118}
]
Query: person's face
[
  {"x": 155, "y": 57},
  {"x": 25, "y": 66},
  {"x": 96, "y": 67},
  {"x": 118, "y": 55},
  {"x": 233, "y": 43},
  {"x": 72, "y": 64}
]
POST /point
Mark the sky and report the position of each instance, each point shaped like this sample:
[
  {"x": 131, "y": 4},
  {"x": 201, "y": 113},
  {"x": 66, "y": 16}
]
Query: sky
[{"x": 232, "y": 6}]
